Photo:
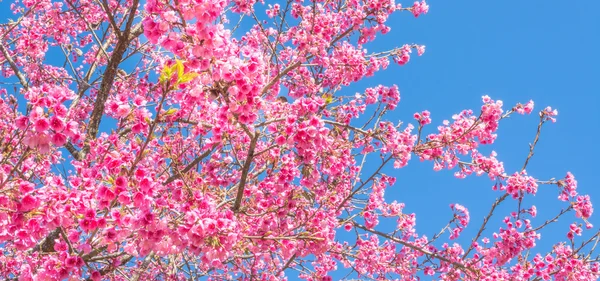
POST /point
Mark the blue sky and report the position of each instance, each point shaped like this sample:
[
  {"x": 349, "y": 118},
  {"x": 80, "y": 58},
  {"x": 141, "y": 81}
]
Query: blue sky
[{"x": 512, "y": 51}]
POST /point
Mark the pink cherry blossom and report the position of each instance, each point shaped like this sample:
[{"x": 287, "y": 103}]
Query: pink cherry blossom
[
  {"x": 42, "y": 124},
  {"x": 420, "y": 8}
]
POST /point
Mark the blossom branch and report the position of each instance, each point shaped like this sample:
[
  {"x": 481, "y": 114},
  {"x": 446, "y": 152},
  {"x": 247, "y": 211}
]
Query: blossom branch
[{"x": 416, "y": 248}]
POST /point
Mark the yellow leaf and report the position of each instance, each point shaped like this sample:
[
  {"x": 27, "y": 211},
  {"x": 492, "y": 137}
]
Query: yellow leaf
[
  {"x": 178, "y": 66},
  {"x": 187, "y": 77},
  {"x": 328, "y": 98},
  {"x": 171, "y": 111},
  {"x": 166, "y": 74}
]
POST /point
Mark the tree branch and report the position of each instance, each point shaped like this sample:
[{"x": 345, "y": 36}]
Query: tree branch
[
  {"x": 108, "y": 79},
  {"x": 14, "y": 67},
  {"x": 245, "y": 171},
  {"x": 189, "y": 166},
  {"x": 418, "y": 249}
]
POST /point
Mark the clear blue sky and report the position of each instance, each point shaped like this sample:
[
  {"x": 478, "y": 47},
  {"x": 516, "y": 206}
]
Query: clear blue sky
[{"x": 513, "y": 51}]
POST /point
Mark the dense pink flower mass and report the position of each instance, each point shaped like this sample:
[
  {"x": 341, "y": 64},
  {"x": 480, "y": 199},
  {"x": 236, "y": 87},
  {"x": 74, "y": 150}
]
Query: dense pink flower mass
[{"x": 219, "y": 140}]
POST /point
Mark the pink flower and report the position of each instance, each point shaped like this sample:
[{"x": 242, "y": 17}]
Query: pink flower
[
  {"x": 60, "y": 246},
  {"x": 280, "y": 140},
  {"x": 42, "y": 124},
  {"x": 96, "y": 276},
  {"x": 549, "y": 114},
  {"x": 423, "y": 118},
  {"x": 101, "y": 223},
  {"x": 138, "y": 199},
  {"x": 419, "y": 8},
  {"x": 90, "y": 214},
  {"x": 22, "y": 122},
  {"x": 402, "y": 59},
  {"x": 123, "y": 110},
  {"x": 57, "y": 124},
  {"x": 420, "y": 50},
  {"x": 60, "y": 110},
  {"x": 583, "y": 207},
  {"x": 88, "y": 225},
  {"x": 348, "y": 226},
  {"x": 528, "y": 107},
  {"x": 106, "y": 193},
  {"x": 71, "y": 129},
  {"x": 170, "y": 16},
  {"x": 121, "y": 182},
  {"x": 137, "y": 128},
  {"x": 123, "y": 198},
  {"x": 28, "y": 202},
  {"x": 533, "y": 211},
  {"x": 71, "y": 261},
  {"x": 520, "y": 182},
  {"x": 524, "y": 109},
  {"x": 59, "y": 139}
]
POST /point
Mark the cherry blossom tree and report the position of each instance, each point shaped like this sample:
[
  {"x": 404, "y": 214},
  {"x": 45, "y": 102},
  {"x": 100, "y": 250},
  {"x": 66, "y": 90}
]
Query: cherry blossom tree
[{"x": 220, "y": 140}]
